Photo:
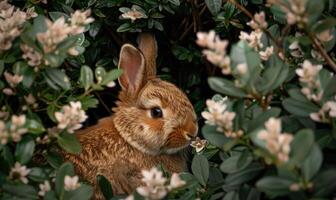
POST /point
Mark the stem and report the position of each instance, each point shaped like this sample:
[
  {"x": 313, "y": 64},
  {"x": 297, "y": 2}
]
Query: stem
[{"x": 321, "y": 50}]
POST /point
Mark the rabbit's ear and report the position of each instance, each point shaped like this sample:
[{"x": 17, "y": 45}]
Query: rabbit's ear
[
  {"x": 132, "y": 62},
  {"x": 148, "y": 46}
]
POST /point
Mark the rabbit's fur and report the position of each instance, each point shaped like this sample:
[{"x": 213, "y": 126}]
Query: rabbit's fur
[{"x": 120, "y": 146}]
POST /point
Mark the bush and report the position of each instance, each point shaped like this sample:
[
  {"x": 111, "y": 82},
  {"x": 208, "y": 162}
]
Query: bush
[{"x": 268, "y": 133}]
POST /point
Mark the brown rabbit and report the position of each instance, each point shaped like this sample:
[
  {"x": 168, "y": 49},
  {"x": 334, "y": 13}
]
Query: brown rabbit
[{"x": 152, "y": 123}]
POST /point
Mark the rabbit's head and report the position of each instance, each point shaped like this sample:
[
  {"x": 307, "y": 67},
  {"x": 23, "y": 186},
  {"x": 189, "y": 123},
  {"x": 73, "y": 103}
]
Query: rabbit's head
[{"x": 152, "y": 115}]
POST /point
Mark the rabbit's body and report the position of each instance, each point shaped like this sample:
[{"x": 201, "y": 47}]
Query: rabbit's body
[
  {"x": 152, "y": 123},
  {"x": 110, "y": 155}
]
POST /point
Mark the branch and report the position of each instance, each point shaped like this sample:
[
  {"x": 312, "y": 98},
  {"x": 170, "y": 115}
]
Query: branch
[{"x": 322, "y": 51}]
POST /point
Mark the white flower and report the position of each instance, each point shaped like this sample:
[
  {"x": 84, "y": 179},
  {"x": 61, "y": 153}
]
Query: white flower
[
  {"x": 33, "y": 57},
  {"x": 308, "y": 72},
  {"x": 11, "y": 24},
  {"x": 56, "y": 33},
  {"x": 18, "y": 121},
  {"x": 154, "y": 184},
  {"x": 216, "y": 50},
  {"x": 71, "y": 183},
  {"x": 264, "y": 55},
  {"x": 133, "y": 14},
  {"x": 258, "y": 22},
  {"x": 215, "y": 112},
  {"x": 3, "y": 133},
  {"x": 205, "y": 39},
  {"x": 277, "y": 143},
  {"x": 325, "y": 36},
  {"x": 8, "y": 91},
  {"x": 78, "y": 20},
  {"x": 295, "y": 49},
  {"x": 13, "y": 80},
  {"x": 129, "y": 197},
  {"x": 328, "y": 110},
  {"x": 16, "y": 129},
  {"x": 241, "y": 68},
  {"x": 176, "y": 181},
  {"x": 19, "y": 172},
  {"x": 73, "y": 51},
  {"x": 111, "y": 84},
  {"x": 45, "y": 187},
  {"x": 70, "y": 117},
  {"x": 198, "y": 144},
  {"x": 81, "y": 18},
  {"x": 253, "y": 39}
]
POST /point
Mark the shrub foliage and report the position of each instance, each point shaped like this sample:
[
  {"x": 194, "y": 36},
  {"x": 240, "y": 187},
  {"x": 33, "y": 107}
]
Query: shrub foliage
[{"x": 269, "y": 123}]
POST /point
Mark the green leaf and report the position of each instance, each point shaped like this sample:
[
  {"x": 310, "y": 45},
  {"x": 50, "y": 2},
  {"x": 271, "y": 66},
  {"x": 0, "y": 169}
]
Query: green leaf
[
  {"x": 86, "y": 77},
  {"x": 58, "y": 77},
  {"x": 84, "y": 192},
  {"x": 69, "y": 143},
  {"x": 314, "y": 10},
  {"x": 275, "y": 74},
  {"x": 111, "y": 76},
  {"x": 299, "y": 108},
  {"x": 324, "y": 24},
  {"x": 66, "y": 169},
  {"x": 213, "y": 136},
  {"x": 236, "y": 163},
  {"x": 124, "y": 27},
  {"x": 54, "y": 159},
  {"x": 51, "y": 109},
  {"x": 24, "y": 150},
  {"x": 226, "y": 87},
  {"x": 231, "y": 195},
  {"x": 175, "y": 2},
  {"x": 244, "y": 175},
  {"x": 214, "y": 6},
  {"x": 55, "y": 15},
  {"x": 303, "y": 138},
  {"x": 324, "y": 183},
  {"x": 37, "y": 174},
  {"x": 260, "y": 119},
  {"x": 274, "y": 186},
  {"x": 35, "y": 126},
  {"x": 200, "y": 169},
  {"x": 329, "y": 90},
  {"x": 20, "y": 191},
  {"x": 2, "y": 65},
  {"x": 105, "y": 187},
  {"x": 312, "y": 164}
]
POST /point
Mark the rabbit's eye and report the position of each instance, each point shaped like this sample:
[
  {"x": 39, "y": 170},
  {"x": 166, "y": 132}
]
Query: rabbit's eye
[{"x": 156, "y": 112}]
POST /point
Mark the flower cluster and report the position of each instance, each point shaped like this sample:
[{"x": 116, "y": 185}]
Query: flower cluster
[
  {"x": 218, "y": 115},
  {"x": 310, "y": 81},
  {"x": 277, "y": 143},
  {"x": 59, "y": 30},
  {"x": 19, "y": 172},
  {"x": 328, "y": 110},
  {"x": 216, "y": 50},
  {"x": 11, "y": 23},
  {"x": 14, "y": 131},
  {"x": 258, "y": 23},
  {"x": 70, "y": 117},
  {"x": 155, "y": 184},
  {"x": 33, "y": 57},
  {"x": 295, "y": 11}
]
